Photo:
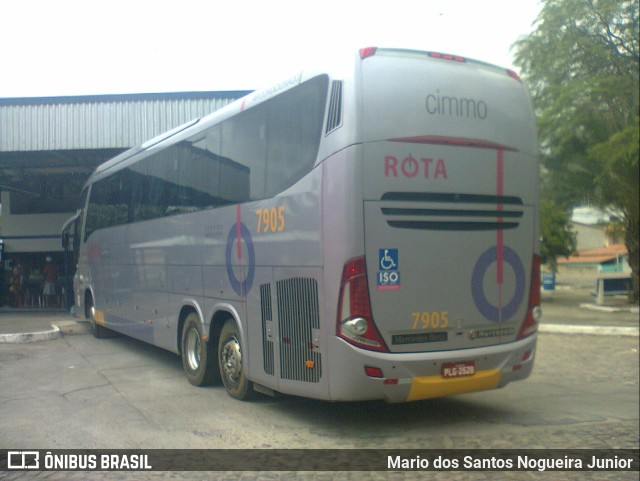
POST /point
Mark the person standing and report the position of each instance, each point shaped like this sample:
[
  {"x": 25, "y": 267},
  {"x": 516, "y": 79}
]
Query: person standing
[
  {"x": 15, "y": 287},
  {"x": 50, "y": 280}
]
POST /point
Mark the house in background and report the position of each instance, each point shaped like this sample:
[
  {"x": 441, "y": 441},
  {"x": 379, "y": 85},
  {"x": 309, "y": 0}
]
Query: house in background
[
  {"x": 600, "y": 250},
  {"x": 591, "y": 262},
  {"x": 590, "y": 236}
]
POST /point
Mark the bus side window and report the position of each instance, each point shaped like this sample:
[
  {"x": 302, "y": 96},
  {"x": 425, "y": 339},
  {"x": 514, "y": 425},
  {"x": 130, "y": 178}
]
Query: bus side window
[
  {"x": 108, "y": 203},
  {"x": 244, "y": 143},
  {"x": 295, "y": 127}
]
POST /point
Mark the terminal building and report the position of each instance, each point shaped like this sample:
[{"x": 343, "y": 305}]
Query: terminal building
[{"x": 49, "y": 147}]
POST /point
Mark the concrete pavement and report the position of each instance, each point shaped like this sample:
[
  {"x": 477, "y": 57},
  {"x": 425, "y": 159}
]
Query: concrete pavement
[
  {"x": 33, "y": 325},
  {"x": 568, "y": 309}
]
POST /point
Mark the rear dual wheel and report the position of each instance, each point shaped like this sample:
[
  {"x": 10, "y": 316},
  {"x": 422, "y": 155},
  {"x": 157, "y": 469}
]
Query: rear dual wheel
[
  {"x": 203, "y": 367},
  {"x": 232, "y": 363},
  {"x": 198, "y": 357}
]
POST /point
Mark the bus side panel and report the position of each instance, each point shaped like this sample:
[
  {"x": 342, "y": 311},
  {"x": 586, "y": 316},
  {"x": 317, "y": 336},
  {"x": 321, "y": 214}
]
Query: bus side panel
[
  {"x": 343, "y": 227},
  {"x": 111, "y": 279},
  {"x": 283, "y": 302},
  {"x": 262, "y": 259}
]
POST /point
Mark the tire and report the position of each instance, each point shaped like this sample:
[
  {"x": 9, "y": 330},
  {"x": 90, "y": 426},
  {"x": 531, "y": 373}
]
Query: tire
[
  {"x": 198, "y": 356},
  {"x": 98, "y": 331},
  {"x": 232, "y": 367}
]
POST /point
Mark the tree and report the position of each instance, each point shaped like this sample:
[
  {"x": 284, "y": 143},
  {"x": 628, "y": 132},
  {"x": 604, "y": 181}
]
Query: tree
[
  {"x": 556, "y": 232},
  {"x": 581, "y": 64}
]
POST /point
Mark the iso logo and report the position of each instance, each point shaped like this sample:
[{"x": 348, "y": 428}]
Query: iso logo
[
  {"x": 23, "y": 460},
  {"x": 388, "y": 275}
]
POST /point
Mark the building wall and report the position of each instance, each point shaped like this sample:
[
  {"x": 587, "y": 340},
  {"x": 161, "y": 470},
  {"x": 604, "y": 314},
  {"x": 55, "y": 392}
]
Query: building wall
[
  {"x": 31, "y": 233},
  {"x": 43, "y": 137},
  {"x": 590, "y": 236}
]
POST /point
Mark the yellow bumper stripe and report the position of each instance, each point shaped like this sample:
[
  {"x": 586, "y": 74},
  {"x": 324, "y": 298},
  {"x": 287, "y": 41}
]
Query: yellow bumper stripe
[{"x": 429, "y": 387}]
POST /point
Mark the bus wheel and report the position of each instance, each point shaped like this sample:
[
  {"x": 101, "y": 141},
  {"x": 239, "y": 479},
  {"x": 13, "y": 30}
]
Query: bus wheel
[
  {"x": 231, "y": 363},
  {"x": 198, "y": 358}
]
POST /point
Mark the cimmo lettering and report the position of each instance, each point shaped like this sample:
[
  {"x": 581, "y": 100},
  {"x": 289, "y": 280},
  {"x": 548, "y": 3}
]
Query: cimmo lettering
[{"x": 456, "y": 106}]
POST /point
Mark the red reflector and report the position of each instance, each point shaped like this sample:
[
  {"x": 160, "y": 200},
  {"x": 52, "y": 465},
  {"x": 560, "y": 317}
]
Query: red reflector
[
  {"x": 514, "y": 75},
  {"x": 367, "y": 52},
  {"x": 446, "y": 56},
  {"x": 373, "y": 372},
  {"x": 534, "y": 295},
  {"x": 390, "y": 381}
]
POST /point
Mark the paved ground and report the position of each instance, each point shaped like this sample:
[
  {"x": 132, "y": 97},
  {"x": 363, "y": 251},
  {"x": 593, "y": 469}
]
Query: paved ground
[{"x": 567, "y": 414}]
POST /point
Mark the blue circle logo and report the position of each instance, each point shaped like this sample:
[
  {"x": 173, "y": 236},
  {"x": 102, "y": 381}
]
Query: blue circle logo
[
  {"x": 505, "y": 311},
  {"x": 238, "y": 233}
]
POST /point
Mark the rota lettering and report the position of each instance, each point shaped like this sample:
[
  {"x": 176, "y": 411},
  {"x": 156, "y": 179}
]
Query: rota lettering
[{"x": 411, "y": 167}]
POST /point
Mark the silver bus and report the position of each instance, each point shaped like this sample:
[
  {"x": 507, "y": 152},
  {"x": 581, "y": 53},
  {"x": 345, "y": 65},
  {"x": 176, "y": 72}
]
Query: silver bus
[{"x": 368, "y": 233}]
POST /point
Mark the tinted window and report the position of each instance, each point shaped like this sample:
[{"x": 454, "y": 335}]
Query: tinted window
[
  {"x": 295, "y": 124},
  {"x": 109, "y": 202},
  {"x": 277, "y": 141},
  {"x": 251, "y": 156}
]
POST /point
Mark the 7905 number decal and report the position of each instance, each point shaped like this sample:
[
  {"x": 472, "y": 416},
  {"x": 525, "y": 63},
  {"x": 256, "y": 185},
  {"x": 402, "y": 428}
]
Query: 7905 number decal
[
  {"x": 429, "y": 320},
  {"x": 270, "y": 220}
]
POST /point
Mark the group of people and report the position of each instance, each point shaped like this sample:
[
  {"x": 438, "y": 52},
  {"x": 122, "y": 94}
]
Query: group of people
[{"x": 19, "y": 288}]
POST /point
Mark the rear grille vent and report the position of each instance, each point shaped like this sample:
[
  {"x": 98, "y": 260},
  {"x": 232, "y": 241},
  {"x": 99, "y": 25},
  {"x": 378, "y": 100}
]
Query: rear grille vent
[
  {"x": 299, "y": 316},
  {"x": 452, "y": 212},
  {"x": 334, "y": 118},
  {"x": 267, "y": 317}
]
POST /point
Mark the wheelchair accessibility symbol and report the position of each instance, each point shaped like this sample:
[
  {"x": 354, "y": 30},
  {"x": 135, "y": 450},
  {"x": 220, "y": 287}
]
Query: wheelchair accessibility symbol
[
  {"x": 388, "y": 276},
  {"x": 504, "y": 310},
  {"x": 388, "y": 259}
]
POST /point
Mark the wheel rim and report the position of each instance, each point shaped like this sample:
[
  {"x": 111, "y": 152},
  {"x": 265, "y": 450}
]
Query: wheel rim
[
  {"x": 231, "y": 359},
  {"x": 192, "y": 349}
]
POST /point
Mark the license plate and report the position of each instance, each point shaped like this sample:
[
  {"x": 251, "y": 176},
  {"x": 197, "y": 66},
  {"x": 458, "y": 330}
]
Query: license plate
[{"x": 458, "y": 369}]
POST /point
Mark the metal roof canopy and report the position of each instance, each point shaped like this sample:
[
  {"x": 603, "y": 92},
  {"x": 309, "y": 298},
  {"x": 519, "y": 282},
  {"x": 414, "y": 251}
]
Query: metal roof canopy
[
  {"x": 100, "y": 121},
  {"x": 53, "y": 136}
]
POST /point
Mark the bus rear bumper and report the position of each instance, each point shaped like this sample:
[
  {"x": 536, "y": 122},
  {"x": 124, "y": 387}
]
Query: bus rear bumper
[{"x": 365, "y": 375}]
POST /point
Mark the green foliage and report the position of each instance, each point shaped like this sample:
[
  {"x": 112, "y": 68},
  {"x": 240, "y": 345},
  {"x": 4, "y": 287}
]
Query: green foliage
[
  {"x": 556, "y": 231},
  {"x": 581, "y": 64}
]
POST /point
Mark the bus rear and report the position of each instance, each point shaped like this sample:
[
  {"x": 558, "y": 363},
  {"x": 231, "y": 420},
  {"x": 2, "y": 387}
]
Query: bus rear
[{"x": 445, "y": 296}]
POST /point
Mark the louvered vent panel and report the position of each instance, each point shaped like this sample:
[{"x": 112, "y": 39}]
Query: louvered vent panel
[
  {"x": 298, "y": 316},
  {"x": 267, "y": 317},
  {"x": 334, "y": 118},
  {"x": 451, "y": 211}
]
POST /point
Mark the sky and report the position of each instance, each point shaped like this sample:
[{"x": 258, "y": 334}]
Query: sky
[{"x": 93, "y": 47}]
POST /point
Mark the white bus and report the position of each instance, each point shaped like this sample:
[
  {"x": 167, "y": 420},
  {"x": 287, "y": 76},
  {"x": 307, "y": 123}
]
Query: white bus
[{"x": 367, "y": 235}]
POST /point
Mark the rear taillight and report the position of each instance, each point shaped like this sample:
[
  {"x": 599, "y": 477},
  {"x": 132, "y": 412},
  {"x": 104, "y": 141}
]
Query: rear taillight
[
  {"x": 355, "y": 323},
  {"x": 534, "y": 312},
  {"x": 367, "y": 52}
]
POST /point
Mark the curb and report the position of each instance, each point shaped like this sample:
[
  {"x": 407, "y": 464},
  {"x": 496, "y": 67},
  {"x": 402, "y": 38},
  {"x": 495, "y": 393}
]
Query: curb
[
  {"x": 593, "y": 330},
  {"x": 24, "y": 337},
  {"x": 73, "y": 327},
  {"x": 58, "y": 328},
  {"x": 609, "y": 309}
]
